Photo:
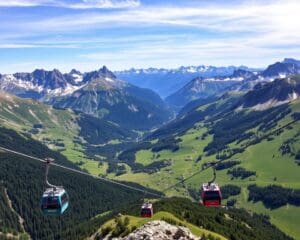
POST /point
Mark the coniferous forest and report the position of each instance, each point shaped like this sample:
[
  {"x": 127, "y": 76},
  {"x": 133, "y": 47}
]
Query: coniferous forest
[
  {"x": 22, "y": 182},
  {"x": 23, "y": 179}
]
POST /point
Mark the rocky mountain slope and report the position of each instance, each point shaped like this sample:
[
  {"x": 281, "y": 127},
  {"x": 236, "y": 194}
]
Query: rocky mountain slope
[
  {"x": 109, "y": 98},
  {"x": 40, "y": 84},
  {"x": 180, "y": 217},
  {"x": 98, "y": 93},
  {"x": 240, "y": 80},
  {"x": 275, "y": 93},
  {"x": 160, "y": 230},
  {"x": 292, "y": 60},
  {"x": 206, "y": 87}
]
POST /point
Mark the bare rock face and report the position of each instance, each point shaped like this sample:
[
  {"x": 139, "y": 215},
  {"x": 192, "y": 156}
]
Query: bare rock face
[{"x": 160, "y": 230}]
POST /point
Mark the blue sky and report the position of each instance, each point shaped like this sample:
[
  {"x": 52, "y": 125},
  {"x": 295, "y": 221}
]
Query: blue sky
[{"x": 86, "y": 34}]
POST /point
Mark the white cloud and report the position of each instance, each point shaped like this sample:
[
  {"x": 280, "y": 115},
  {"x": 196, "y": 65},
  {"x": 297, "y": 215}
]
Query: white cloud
[
  {"x": 233, "y": 51},
  {"x": 279, "y": 16},
  {"x": 33, "y": 45},
  {"x": 250, "y": 33},
  {"x": 23, "y": 3},
  {"x": 85, "y": 4},
  {"x": 81, "y": 4},
  {"x": 274, "y": 23}
]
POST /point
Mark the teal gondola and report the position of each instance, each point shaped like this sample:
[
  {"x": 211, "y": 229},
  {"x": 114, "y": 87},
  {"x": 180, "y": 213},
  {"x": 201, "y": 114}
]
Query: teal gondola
[{"x": 55, "y": 200}]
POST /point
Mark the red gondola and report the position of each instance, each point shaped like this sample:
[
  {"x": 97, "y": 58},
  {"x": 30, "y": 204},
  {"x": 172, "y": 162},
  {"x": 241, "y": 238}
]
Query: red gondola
[
  {"x": 147, "y": 210},
  {"x": 210, "y": 192},
  {"x": 211, "y": 195}
]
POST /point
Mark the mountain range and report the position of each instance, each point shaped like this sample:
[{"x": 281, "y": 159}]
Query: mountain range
[
  {"x": 168, "y": 81},
  {"x": 239, "y": 81},
  {"x": 247, "y": 120},
  {"x": 97, "y": 93}
]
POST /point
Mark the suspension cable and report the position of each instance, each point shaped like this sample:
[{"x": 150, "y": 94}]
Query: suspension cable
[
  {"x": 135, "y": 188},
  {"x": 83, "y": 173},
  {"x": 184, "y": 180},
  {"x": 204, "y": 168},
  {"x": 213, "y": 164}
]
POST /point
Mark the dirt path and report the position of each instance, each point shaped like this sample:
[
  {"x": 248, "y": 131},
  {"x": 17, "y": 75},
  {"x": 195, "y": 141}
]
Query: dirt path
[{"x": 21, "y": 220}]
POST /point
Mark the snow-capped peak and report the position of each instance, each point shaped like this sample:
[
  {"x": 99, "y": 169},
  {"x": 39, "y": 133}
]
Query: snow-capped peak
[
  {"x": 108, "y": 79},
  {"x": 77, "y": 78}
]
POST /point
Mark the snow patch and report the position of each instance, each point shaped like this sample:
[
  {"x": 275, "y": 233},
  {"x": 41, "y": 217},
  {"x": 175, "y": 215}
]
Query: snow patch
[
  {"x": 282, "y": 75},
  {"x": 191, "y": 69},
  {"x": 68, "y": 90},
  {"x": 34, "y": 115},
  {"x": 77, "y": 78},
  {"x": 133, "y": 108},
  {"x": 227, "y": 79},
  {"x": 293, "y": 96},
  {"x": 108, "y": 79},
  {"x": 271, "y": 103},
  {"x": 10, "y": 82}
]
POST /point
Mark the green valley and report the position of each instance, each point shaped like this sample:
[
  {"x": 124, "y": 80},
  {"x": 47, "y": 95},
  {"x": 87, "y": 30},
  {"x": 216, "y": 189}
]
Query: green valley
[
  {"x": 61, "y": 130},
  {"x": 255, "y": 144},
  {"x": 149, "y": 120},
  {"x": 272, "y": 159}
]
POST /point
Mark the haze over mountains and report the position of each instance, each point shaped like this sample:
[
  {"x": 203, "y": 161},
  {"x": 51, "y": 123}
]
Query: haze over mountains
[{"x": 167, "y": 81}]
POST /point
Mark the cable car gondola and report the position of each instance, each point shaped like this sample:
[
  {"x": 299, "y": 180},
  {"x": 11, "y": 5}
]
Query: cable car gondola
[
  {"x": 211, "y": 195},
  {"x": 210, "y": 192},
  {"x": 147, "y": 210},
  {"x": 55, "y": 200}
]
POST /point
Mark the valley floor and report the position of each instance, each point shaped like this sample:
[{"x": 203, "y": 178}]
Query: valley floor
[{"x": 265, "y": 158}]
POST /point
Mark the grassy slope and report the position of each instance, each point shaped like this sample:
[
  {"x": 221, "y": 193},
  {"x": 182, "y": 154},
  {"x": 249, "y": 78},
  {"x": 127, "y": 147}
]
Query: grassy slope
[
  {"x": 138, "y": 222},
  {"x": 20, "y": 114},
  {"x": 258, "y": 157}
]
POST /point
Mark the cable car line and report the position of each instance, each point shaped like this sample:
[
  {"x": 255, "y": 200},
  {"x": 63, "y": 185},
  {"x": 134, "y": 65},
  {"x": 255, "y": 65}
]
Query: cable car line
[
  {"x": 55, "y": 199},
  {"x": 212, "y": 164},
  {"x": 104, "y": 179},
  {"x": 204, "y": 167},
  {"x": 214, "y": 172},
  {"x": 83, "y": 173},
  {"x": 131, "y": 187},
  {"x": 211, "y": 195},
  {"x": 184, "y": 180}
]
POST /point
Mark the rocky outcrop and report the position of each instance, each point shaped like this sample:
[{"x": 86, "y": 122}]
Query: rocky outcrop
[{"x": 160, "y": 230}]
